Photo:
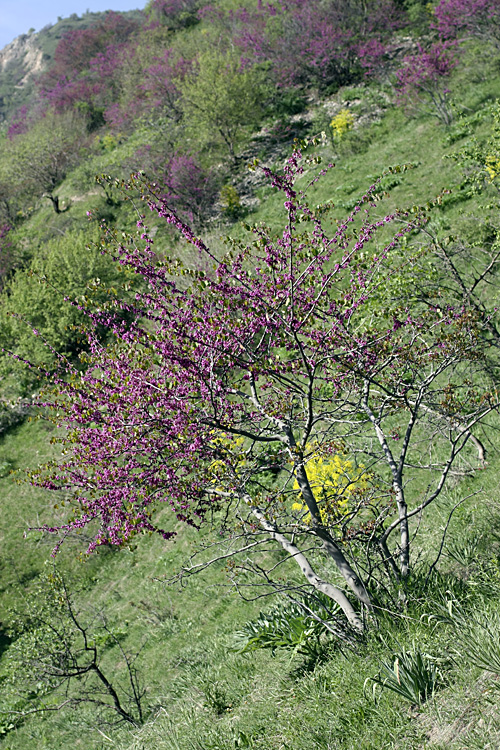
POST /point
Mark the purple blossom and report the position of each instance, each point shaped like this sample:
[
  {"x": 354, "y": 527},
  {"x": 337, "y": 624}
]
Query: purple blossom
[
  {"x": 145, "y": 420},
  {"x": 421, "y": 81},
  {"x": 468, "y": 18}
]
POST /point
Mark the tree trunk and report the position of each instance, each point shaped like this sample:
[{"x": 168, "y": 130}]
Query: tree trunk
[
  {"x": 54, "y": 199},
  {"x": 330, "y": 546},
  {"x": 336, "y": 594}
]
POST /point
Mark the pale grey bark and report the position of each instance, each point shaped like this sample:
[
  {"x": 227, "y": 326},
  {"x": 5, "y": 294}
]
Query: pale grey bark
[
  {"x": 397, "y": 481},
  {"x": 333, "y": 592}
]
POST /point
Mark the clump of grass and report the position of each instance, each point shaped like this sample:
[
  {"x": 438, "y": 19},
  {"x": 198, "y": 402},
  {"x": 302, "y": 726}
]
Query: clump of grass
[{"x": 414, "y": 675}]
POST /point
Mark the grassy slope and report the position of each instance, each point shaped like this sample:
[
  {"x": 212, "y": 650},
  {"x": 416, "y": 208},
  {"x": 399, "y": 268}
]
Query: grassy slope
[{"x": 207, "y": 697}]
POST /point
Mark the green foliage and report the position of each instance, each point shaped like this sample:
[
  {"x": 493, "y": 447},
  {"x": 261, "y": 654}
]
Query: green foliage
[
  {"x": 413, "y": 675},
  {"x": 288, "y": 102},
  {"x": 299, "y": 626},
  {"x": 480, "y": 157},
  {"x": 231, "y": 203},
  {"x": 36, "y": 162},
  {"x": 352, "y": 93},
  {"x": 68, "y": 269},
  {"x": 477, "y": 636},
  {"x": 220, "y": 101},
  {"x": 326, "y": 707}
]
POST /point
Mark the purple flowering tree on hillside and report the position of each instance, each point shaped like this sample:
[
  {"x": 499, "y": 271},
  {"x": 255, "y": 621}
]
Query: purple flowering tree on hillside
[
  {"x": 87, "y": 64},
  {"x": 468, "y": 18},
  {"x": 272, "y": 392},
  {"x": 421, "y": 83},
  {"x": 329, "y": 39},
  {"x": 160, "y": 82}
]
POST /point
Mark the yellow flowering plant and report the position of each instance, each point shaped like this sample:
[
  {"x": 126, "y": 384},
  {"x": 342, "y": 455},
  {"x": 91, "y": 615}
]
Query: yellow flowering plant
[
  {"x": 492, "y": 167},
  {"x": 337, "y": 484},
  {"x": 342, "y": 123},
  {"x": 231, "y": 451}
]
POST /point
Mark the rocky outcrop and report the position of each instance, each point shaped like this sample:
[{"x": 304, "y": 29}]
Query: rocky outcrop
[
  {"x": 22, "y": 57},
  {"x": 20, "y": 62}
]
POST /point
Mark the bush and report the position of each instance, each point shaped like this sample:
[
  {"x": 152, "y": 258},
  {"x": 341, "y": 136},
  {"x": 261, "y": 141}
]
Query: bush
[
  {"x": 36, "y": 299},
  {"x": 413, "y": 675},
  {"x": 421, "y": 83},
  {"x": 298, "y": 625}
]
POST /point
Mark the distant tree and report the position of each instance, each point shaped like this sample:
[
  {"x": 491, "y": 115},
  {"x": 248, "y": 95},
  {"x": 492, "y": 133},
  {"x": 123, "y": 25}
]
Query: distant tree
[
  {"x": 468, "y": 18},
  {"x": 189, "y": 187},
  {"x": 19, "y": 122},
  {"x": 150, "y": 83},
  {"x": 421, "y": 82},
  {"x": 220, "y": 99},
  {"x": 40, "y": 158},
  {"x": 325, "y": 44},
  {"x": 162, "y": 76},
  {"x": 32, "y": 299},
  {"x": 56, "y": 660},
  {"x": 175, "y": 14},
  {"x": 10, "y": 197},
  {"x": 79, "y": 46},
  {"x": 87, "y": 66}
]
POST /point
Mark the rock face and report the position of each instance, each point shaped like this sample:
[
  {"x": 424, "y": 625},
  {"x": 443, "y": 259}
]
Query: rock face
[
  {"x": 22, "y": 54},
  {"x": 20, "y": 61}
]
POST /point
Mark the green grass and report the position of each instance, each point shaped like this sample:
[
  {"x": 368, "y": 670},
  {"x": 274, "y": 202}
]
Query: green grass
[{"x": 203, "y": 695}]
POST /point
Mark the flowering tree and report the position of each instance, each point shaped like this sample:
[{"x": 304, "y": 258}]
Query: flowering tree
[
  {"x": 19, "y": 122},
  {"x": 188, "y": 187},
  {"x": 78, "y": 46},
  {"x": 469, "y": 18},
  {"x": 87, "y": 67},
  {"x": 274, "y": 391},
  {"x": 421, "y": 81},
  {"x": 161, "y": 80},
  {"x": 332, "y": 41}
]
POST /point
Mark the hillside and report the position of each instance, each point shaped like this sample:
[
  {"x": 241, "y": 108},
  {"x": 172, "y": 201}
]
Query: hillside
[
  {"x": 27, "y": 56},
  {"x": 396, "y": 114}
]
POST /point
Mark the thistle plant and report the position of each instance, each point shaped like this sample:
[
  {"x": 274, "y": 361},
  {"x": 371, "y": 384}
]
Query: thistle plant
[{"x": 299, "y": 625}]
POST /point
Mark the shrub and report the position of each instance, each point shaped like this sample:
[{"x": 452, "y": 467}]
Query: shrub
[
  {"x": 230, "y": 201},
  {"x": 421, "y": 82},
  {"x": 341, "y": 124},
  {"x": 413, "y": 675},
  {"x": 469, "y": 18},
  {"x": 38, "y": 298}
]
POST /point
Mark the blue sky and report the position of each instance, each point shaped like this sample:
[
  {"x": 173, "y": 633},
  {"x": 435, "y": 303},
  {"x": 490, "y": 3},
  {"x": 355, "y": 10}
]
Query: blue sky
[{"x": 18, "y": 16}]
